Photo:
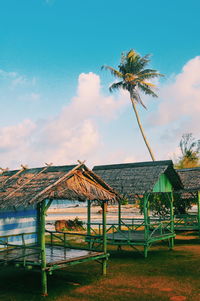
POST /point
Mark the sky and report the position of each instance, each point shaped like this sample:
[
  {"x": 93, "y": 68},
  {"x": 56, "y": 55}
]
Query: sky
[{"x": 54, "y": 98}]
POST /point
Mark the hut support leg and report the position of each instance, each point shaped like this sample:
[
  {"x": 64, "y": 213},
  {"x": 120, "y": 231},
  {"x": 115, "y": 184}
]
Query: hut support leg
[
  {"x": 44, "y": 283},
  {"x": 43, "y": 250},
  {"x": 145, "y": 251},
  {"x": 171, "y": 240},
  {"x": 146, "y": 223},
  {"x": 119, "y": 215},
  {"x": 198, "y": 204},
  {"x": 88, "y": 223},
  {"x": 104, "y": 261}
]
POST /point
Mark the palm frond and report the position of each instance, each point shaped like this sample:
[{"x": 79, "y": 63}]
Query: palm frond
[
  {"x": 150, "y": 85},
  {"x": 146, "y": 90},
  {"x": 136, "y": 96},
  {"x": 149, "y": 73},
  {"x": 113, "y": 71},
  {"x": 116, "y": 86}
]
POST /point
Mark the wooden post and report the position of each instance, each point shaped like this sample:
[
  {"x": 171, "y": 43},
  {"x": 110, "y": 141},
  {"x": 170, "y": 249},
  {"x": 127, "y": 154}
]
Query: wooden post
[
  {"x": 146, "y": 223},
  {"x": 119, "y": 215},
  {"x": 171, "y": 241},
  {"x": 104, "y": 263},
  {"x": 38, "y": 224},
  {"x": 43, "y": 250},
  {"x": 88, "y": 217},
  {"x": 88, "y": 222},
  {"x": 198, "y": 204}
]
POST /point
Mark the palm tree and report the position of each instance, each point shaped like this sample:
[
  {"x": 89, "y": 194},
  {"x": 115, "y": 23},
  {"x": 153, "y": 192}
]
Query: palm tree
[{"x": 134, "y": 78}]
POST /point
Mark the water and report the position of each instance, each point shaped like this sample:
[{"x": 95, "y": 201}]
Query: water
[{"x": 58, "y": 204}]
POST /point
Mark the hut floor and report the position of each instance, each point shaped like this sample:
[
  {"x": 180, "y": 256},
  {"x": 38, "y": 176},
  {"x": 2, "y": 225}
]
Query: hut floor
[
  {"x": 135, "y": 235},
  {"x": 54, "y": 255}
]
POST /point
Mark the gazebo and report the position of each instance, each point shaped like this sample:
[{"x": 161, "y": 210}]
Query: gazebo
[
  {"x": 190, "y": 178},
  {"x": 144, "y": 181},
  {"x": 25, "y": 196}
]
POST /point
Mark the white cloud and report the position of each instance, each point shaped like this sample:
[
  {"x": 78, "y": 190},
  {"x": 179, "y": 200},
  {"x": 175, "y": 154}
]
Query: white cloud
[
  {"x": 5, "y": 74},
  {"x": 15, "y": 79},
  {"x": 73, "y": 134},
  {"x": 178, "y": 109},
  {"x": 32, "y": 96},
  {"x": 90, "y": 102},
  {"x": 181, "y": 99}
]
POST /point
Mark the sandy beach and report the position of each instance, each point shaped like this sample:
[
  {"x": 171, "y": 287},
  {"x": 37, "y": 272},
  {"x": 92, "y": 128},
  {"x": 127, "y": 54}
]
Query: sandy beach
[{"x": 127, "y": 211}]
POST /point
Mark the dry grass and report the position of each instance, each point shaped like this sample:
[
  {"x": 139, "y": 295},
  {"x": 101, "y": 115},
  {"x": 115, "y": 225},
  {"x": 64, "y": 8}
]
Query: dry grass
[{"x": 163, "y": 276}]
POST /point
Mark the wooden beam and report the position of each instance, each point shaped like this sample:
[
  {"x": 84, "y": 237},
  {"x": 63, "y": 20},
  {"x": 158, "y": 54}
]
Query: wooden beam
[
  {"x": 104, "y": 263},
  {"x": 24, "y": 184},
  {"x": 198, "y": 204},
  {"x": 171, "y": 241},
  {"x": 16, "y": 174},
  {"x": 43, "y": 249},
  {"x": 54, "y": 184},
  {"x": 119, "y": 214}
]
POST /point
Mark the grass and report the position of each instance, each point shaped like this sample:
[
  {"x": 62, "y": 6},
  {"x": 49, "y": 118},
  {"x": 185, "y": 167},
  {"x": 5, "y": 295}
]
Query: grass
[{"x": 164, "y": 275}]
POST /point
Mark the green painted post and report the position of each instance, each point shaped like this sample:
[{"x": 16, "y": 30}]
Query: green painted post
[
  {"x": 38, "y": 224},
  {"x": 198, "y": 204},
  {"x": 171, "y": 241},
  {"x": 146, "y": 224},
  {"x": 119, "y": 215},
  {"x": 88, "y": 217},
  {"x": 42, "y": 247},
  {"x": 104, "y": 263},
  {"x": 89, "y": 223}
]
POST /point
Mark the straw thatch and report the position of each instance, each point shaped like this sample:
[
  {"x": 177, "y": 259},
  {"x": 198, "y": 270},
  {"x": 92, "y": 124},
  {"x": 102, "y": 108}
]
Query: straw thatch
[
  {"x": 137, "y": 178},
  {"x": 190, "y": 178},
  {"x": 29, "y": 186}
]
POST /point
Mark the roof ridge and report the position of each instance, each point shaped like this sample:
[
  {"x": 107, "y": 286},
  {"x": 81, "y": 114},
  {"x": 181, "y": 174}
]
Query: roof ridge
[
  {"x": 188, "y": 169},
  {"x": 135, "y": 164},
  {"x": 37, "y": 169}
]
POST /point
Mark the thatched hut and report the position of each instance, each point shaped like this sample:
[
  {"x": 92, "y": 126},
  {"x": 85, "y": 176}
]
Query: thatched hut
[
  {"x": 25, "y": 196},
  {"x": 143, "y": 180},
  {"x": 190, "y": 178}
]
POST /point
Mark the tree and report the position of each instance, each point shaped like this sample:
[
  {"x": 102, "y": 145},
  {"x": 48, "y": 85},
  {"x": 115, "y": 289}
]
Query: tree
[
  {"x": 133, "y": 77},
  {"x": 190, "y": 152}
]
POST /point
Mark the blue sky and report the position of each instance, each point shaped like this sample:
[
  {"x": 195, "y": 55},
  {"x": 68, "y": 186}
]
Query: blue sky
[{"x": 54, "y": 98}]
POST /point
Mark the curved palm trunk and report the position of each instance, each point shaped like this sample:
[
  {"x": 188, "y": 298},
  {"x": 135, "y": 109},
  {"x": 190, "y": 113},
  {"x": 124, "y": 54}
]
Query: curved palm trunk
[{"x": 141, "y": 129}]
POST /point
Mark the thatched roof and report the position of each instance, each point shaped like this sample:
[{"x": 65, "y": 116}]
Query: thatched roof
[
  {"x": 190, "y": 178},
  {"x": 29, "y": 186},
  {"x": 137, "y": 178}
]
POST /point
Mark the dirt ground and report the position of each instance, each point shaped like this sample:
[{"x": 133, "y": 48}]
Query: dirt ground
[{"x": 164, "y": 276}]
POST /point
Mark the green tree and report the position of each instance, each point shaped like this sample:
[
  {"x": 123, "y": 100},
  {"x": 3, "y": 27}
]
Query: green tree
[
  {"x": 190, "y": 152},
  {"x": 134, "y": 78}
]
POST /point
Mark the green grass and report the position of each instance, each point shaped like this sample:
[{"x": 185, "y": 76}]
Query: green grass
[{"x": 164, "y": 275}]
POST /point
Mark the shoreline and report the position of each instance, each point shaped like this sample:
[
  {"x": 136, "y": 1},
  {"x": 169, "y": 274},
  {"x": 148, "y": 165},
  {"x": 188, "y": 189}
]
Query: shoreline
[
  {"x": 128, "y": 211},
  {"x": 94, "y": 209}
]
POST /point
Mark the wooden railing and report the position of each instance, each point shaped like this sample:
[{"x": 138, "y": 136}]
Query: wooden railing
[
  {"x": 70, "y": 239},
  {"x": 186, "y": 221},
  {"x": 127, "y": 226},
  {"x": 6, "y": 247}
]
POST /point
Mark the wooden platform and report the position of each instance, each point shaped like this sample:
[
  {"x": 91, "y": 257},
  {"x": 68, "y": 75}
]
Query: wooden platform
[
  {"x": 55, "y": 255},
  {"x": 136, "y": 236}
]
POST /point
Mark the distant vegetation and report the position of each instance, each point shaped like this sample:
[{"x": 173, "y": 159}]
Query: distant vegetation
[{"x": 190, "y": 152}]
